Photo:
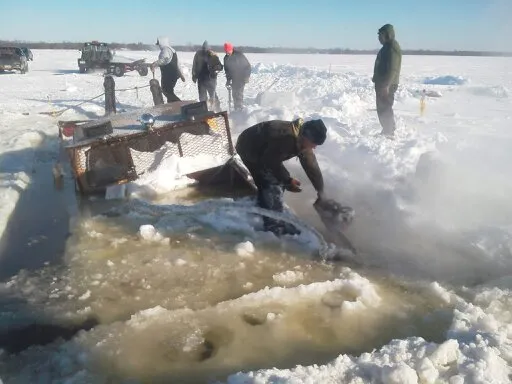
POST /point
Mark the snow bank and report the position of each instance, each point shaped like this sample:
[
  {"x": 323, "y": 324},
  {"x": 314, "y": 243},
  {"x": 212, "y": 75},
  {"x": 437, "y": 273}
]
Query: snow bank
[
  {"x": 446, "y": 80},
  {"x": 16, "y": 167}
]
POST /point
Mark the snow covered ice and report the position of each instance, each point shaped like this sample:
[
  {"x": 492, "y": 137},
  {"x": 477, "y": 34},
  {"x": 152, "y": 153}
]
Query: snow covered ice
[{"x": 166, "y": 291}]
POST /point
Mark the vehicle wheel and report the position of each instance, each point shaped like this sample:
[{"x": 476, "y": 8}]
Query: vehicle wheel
[
  {"x": 118, "y": 71},
  {"x": 143, "y": 71}
]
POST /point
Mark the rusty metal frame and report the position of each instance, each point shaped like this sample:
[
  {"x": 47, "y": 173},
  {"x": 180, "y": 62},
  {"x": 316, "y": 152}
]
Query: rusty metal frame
[{"x": 73, "y": 150}]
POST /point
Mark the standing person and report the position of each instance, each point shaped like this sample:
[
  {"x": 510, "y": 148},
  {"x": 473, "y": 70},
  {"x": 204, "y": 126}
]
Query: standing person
[
  {"x": 169, "y": 68},
  {"x": 204, "y": 71},
  {"x": 238, "y": 71},
  {"x": 263, "y": 148},
  {"x": 386, "y": 76}
]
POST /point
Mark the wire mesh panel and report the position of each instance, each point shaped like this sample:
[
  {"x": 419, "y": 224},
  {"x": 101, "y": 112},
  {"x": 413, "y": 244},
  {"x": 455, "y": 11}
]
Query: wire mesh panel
[{"x": 114, "y": 159}]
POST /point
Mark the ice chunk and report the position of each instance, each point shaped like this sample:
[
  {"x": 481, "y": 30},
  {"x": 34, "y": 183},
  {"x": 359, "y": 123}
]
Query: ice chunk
[
  {"x": 400, "y": 374},
  {"x": 446, "y": 353},
  {"x": 149, "y": 233},
  {"x": 244, "y": 249},
  {"x": 116, "y": 191},
  {"x": 287, "y": 277}
]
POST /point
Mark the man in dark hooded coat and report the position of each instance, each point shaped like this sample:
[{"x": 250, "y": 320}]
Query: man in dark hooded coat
[{"x": 386, "y": 76}]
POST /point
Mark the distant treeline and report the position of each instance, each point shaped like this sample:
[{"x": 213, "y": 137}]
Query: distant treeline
[{"x": 251, "y": 49}]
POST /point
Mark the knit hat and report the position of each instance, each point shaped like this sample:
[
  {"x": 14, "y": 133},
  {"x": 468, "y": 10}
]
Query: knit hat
[
  {"x": 228, "y": 48},
  {"x": 315, "y": 131}
]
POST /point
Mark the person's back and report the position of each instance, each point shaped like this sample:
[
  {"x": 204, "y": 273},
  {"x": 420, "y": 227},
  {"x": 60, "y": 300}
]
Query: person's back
[
  {"x": 274, "y": 140},
  {"x": 265, "y": 146},
  {"x": 237, "y": 67},
  {"x": 238, "y": 71},
  {"x": 206, "y": 64}
]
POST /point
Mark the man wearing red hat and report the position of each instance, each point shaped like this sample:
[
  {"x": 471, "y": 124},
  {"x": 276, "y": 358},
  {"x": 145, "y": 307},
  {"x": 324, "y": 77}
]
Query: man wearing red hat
[{"x": 238, "y": 71}]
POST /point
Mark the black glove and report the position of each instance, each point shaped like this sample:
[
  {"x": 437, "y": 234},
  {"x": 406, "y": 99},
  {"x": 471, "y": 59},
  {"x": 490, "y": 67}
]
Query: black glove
[
  {"x": 293, "y": 185},
  {"x": 228, "y": 84},
  {"x": 342, "y": 213}
]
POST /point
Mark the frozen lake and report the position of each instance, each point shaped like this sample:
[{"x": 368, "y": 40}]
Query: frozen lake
[{"x": 208, "y": 299}]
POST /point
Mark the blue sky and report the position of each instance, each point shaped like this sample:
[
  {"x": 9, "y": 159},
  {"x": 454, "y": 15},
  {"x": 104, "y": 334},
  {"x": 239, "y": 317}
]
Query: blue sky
[{"x": 428, "y": 24}]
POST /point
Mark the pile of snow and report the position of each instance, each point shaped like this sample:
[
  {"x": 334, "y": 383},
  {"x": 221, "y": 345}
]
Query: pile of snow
[
  {"x": 445, "y": 80},
  {"x": 498, "y": 91}
]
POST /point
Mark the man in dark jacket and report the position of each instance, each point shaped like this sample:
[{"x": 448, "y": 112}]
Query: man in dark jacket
[
  {"x": 169, "y": 68},
  {"x": 205, "y": 67},
  {"x": 386, "y": 76},
  {"x": 263, "y": 148},
  {"x": 238, "y": 71}
]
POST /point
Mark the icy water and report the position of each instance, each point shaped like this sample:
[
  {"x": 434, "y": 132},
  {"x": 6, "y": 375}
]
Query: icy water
[
  {"x": 192, "y": 302},
  {"x": 184, "y": 306}
]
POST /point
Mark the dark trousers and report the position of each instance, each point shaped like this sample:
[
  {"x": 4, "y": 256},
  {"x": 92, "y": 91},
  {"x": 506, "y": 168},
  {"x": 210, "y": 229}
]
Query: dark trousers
[
  {"x": 206, "y": 89},
  {"x": 237, "y": 90},
  {"x": 270, "y": 196},
  {"x": 385, "y": 109},
  {"x": 168, "y": 89}
]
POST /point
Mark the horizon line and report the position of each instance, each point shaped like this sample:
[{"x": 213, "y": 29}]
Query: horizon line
[{"x": 255, "y": 48}]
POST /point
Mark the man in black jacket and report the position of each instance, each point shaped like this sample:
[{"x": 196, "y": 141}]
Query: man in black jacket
[
  {"x": 169, "y": 68},
  {"x": 238, "y": 71},
  {"x": 205, "y": 68},
  {"x": 263, "y": 148}
]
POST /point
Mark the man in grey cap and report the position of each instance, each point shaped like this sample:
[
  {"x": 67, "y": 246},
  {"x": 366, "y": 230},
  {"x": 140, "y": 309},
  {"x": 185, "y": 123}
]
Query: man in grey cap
[{"x": 205, "y": 68}]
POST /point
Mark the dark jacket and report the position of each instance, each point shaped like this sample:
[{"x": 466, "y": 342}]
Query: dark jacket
[
  {"x": 206, "y": 65},
  {"x": 266, "y": 145},
  {"x": 388, "y": 63},
  {"x": 171, "y": 71},
  {"x": 168, "y": 61},
  {"x": 237, "y": 67}
]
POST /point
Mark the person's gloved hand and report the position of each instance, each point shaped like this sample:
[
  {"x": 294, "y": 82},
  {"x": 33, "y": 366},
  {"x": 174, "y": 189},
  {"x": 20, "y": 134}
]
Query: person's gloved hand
[
  {"x": 228, "y": 84},
  {"x": 293, "y": 185}
]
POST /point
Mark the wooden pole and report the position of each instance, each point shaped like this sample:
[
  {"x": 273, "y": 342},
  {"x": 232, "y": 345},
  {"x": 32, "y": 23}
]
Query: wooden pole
[
  {"x": 156, "y": 91},
  {"x": 110, "y": 95}
]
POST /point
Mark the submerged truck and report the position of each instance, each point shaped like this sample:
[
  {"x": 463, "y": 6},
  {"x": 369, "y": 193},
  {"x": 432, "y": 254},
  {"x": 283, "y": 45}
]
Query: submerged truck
[{"x": 13, "y": 59}]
